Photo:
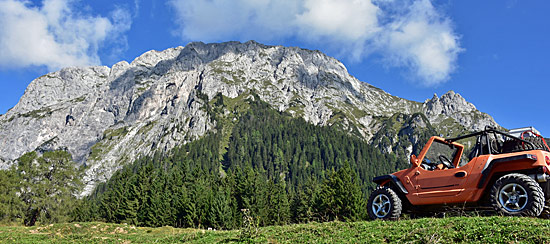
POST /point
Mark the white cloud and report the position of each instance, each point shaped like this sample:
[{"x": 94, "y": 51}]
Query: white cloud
[
  {"x": 55, "y": 35},
  {"x": 221, "y": 20},
  {"x": 424, "y": 41},
  {"x": 410, "y": 34},
  {"x": 349, "y": 20}
]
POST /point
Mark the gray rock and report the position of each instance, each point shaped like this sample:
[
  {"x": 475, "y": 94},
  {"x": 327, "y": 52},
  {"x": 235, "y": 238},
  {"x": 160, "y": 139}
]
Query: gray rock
[
  {"x": 453, "y": 105},
  {"x": 107, "y": 117}
]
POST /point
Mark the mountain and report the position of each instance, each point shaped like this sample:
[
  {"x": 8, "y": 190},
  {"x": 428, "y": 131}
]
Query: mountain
[{"x": 108, "y": 117}]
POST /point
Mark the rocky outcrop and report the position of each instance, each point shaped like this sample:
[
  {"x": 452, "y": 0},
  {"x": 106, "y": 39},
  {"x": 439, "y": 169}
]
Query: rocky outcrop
[
  {"x": 453, "y": 105},
  {"x": 106, "y": 117}
]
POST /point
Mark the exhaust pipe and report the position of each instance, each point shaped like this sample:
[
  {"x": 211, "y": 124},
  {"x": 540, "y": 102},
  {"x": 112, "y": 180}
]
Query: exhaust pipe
[{"x": 540, "y": 178}]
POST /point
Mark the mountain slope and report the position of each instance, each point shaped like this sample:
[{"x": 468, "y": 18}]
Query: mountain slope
[{"x": 107, "y": 117}]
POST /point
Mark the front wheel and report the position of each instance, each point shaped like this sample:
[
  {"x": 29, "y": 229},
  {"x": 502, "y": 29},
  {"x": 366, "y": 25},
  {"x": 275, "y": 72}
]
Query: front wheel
[
  {"x": 517, "y": 195},
  {"x": 384, "y": 204}
]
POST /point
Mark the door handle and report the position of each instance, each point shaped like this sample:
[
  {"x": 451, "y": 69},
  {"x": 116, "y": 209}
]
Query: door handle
[{"x": 460, "y": 174}]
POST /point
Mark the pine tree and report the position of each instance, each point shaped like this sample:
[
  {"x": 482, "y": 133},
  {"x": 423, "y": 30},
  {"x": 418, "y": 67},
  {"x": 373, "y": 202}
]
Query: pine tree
[
  {"x": 48, "y": 186},
  {"x": 341, "y": 197},
  {"x": 84, "y": 211},
  {"x": 11, "y": 205},
  {"x": 279, "y": 207},
  {"x": 303, "y": 202}
]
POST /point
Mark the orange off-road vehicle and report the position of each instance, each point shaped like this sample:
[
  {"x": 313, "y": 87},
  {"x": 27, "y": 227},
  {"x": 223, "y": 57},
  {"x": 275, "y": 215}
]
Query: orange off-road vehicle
[{"x": 506, "y": 172}]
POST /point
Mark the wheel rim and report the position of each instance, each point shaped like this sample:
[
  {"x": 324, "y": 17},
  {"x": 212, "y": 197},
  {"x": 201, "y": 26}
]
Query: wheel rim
[
  {"x": 513, "y": 197},
  {"x": 381, "y": 206}
]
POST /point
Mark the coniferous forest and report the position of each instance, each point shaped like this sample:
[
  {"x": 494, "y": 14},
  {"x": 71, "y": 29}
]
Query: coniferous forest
[{"x": 281, "y": 169}]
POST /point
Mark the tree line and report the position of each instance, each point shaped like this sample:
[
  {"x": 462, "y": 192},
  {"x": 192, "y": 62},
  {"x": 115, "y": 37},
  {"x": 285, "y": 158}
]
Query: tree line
[{"x": 282, "y": 169}]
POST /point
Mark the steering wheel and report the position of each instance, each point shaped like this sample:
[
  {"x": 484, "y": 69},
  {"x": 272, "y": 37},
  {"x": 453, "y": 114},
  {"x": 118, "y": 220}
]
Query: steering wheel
[{"x": 445, "y": 161}]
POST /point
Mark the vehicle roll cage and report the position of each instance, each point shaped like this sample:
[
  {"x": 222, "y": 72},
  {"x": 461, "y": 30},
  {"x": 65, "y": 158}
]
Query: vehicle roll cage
[{"x": 484, "y": 134}]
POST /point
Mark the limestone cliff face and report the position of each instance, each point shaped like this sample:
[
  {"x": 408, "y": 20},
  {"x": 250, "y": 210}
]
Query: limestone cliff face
[
  {"x": 452, "y": 105},
  {"x": 106, "y": 117}
]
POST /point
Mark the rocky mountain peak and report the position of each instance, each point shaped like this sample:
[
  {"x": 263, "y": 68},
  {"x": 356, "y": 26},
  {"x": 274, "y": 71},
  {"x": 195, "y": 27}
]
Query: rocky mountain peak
[
  {"x": 107, "y": 117},
  {"x": 453, "y": 105},
  {"x": 449, "y": 103},
  {"x": 153, "y": 57}
]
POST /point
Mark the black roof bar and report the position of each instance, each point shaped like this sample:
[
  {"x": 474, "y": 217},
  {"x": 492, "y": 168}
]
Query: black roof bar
[{"x": 485, "y": 132}]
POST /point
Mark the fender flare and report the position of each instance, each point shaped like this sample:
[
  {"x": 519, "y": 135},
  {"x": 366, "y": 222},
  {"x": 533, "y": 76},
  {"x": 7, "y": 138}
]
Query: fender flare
[
  {"x": 489, "y": 166},
  {"x": 381, "y": 179}
]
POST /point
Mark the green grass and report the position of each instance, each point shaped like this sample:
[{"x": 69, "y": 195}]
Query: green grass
[
  {"x": 38, "y": 114},
  {"x": 105, "y": 145},
  {"x": 110, "y": 133},
  {"x": 426, "y": 230},
  {"x": 79, "y": 99}
]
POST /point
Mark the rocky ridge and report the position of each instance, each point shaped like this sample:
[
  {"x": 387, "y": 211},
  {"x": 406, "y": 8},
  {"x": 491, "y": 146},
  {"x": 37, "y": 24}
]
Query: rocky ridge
[{"x": 107, "y": 117}]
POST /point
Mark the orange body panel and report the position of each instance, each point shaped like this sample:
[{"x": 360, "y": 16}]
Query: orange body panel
[{"x": 460, "y": 184}]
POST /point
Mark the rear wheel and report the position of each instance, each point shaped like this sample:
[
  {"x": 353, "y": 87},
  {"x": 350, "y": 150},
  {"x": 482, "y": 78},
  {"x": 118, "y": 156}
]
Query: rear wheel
[
  {"x": 517, "y": 195},
  {"x": 384, "y": 204}
]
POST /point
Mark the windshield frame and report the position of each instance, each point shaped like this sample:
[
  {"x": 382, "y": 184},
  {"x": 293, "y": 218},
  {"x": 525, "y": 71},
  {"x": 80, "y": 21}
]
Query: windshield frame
[{"x": 456, "y": 157}]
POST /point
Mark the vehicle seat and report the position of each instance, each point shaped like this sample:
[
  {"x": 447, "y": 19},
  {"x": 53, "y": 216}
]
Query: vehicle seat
[{"x": 474, "y": 153}]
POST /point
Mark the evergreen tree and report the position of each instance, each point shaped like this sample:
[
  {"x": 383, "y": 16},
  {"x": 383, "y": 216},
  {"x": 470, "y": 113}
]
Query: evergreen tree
[
  {"x": 48, "y": 185},
  {"x": 84, "y": 211},
  {"x": 303, "y": 202},
  {"x": 11, "y": 205},
  {"x": 277, "y": 204},
  {"x": 341, "y": 197}
]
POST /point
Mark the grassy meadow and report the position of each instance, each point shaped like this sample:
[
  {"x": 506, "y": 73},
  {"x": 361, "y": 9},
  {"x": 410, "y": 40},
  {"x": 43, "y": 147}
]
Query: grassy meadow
[{"x": 425, "y": 230}]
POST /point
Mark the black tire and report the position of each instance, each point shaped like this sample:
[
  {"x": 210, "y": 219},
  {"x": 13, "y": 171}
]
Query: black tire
[
  {"x": 384, "y": 204},
  {"x": 517, "y": 195},
  {"x": 545, "y": 212}
]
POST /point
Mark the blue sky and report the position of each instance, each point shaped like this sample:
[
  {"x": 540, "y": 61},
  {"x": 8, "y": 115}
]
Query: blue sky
[{"x": 494, "y": 52}]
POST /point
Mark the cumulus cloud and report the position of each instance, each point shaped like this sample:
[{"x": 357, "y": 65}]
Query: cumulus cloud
[
  {"x": 221, "y": 20},
  {"x": 423, "y": 40},
  {"x": 411, "y": 33},
  {"x": 348, "y": 20},
  {"x": 55, "y": 34}
]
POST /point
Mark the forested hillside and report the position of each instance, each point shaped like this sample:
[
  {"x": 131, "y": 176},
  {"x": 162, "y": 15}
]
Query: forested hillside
[{"x": 283, "y": 169}]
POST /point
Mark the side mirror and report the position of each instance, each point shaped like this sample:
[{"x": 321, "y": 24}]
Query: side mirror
[{"x": 414, "y": 160}]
